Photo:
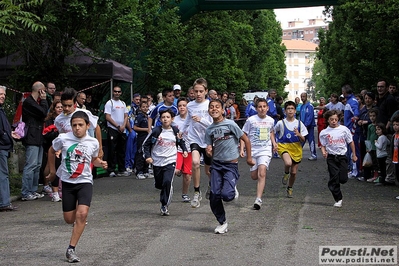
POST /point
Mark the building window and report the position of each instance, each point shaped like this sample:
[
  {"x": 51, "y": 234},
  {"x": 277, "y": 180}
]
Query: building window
[
  {"x": 284, "y": 34},
  {"x": 311, "y": 32},
  {"x": 295, "y": 55}
]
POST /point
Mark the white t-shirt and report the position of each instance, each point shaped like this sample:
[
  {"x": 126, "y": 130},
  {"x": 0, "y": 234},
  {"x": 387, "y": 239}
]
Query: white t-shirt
[
  {"x": 336, "y": 139},
  {"x": 179, "y": 123},
  {"x": 279, "y": 127},
  {"x": 77, "y": 154},
  {"x": 117, "y": 110},
  {"x": 63, "y": 122},
  {"x": 164, "y": 150},
  {"x": 196, "y": 130},
  {"x": 335, "y": 106},
  {"x": 258, "y": 131}
]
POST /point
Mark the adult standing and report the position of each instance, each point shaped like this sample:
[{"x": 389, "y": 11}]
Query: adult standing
[
  {"x": 6, "y": 146},
  {"x": 307, "y": 118},
  {"x": 212, "y": 94},
  {"x": 81, "y": 100},
  {"x": 335, "y": 104},
  {"x": 321, "y": 121},
  {"x": 298, "y": 105},
  {"x": 116, "y": 115},
  {"x": 351, "y": 116},
  {"x": 176, "y": 93},
  {"x": 50, "y": 91},
  {"x": 387, "y": 106},
  {"x": 34, "y": 111},
  {"x": 272, "y": 112}
]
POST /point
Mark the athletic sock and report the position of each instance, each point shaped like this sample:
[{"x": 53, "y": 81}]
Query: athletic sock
[
  {"x": 196, "y": 189},
  {"x": 71, "y": 247}
]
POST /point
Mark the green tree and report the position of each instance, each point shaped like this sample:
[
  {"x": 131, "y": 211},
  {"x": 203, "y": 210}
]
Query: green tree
[{"x": 361, "y": 44}]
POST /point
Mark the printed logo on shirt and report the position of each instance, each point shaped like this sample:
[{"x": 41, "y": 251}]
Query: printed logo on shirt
[{"x": 75, "y": 160}]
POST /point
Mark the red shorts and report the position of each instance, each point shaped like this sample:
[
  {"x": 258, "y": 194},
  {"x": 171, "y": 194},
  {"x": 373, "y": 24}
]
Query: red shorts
[{"x": 185, "y": 165}]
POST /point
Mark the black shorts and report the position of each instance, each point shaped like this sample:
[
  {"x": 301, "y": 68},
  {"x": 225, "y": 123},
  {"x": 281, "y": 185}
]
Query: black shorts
[
  {"x": 76, "y": 193},
  {"x": 196, "y": 147}
]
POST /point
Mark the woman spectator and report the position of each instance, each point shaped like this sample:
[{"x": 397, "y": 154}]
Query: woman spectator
[
  {"x": 321, "y": 121},
  {"x": 298, "y": 107},
  {"x": 242, "y": 107},
  {"x": 335, "y": 104},
  {"x": 50, "y": 132}
]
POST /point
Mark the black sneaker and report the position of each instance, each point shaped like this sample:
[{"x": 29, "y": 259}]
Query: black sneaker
[{"x": 71, "y": 255}]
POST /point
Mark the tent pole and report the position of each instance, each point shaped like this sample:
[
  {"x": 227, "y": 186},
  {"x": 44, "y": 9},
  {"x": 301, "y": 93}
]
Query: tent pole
[
  {"x": 112, "y": 86},
  {"x": 131, "y": 92}
]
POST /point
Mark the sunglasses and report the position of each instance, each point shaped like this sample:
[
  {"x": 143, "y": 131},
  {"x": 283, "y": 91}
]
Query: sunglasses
[{"x": 118, "y": 91}]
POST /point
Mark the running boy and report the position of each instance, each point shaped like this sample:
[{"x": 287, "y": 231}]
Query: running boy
[
  {"x": 78, "y": 151},
  {"x": 160, "y": 150},
  {"x": 290, "y": 134},
  {"x": 154, "y": 118},
  {"x": 260, "y": 130},
  {"x": 334, "y": 141},
  {"x": 196, "y": 123},
  {"x": 183, "y": 164},
  {"x": 222, "y": 138}
]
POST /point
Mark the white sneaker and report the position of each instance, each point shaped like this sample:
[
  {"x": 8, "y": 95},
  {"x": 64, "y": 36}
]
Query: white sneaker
[
  {"x": 237, "y": 194},
  {"x": 148, "y": 175},
  {"x": 129, "y": 170},
  {"x": 221, "y": 228},
  {"x": 196, "y": 202},
  {"x": 55, "y": 198},
  {"x": 112, "y": 174},
  {"x": 397, "y": 197},
  {"x": 338, "y": 204},
  {"x": 124, "y": 173},
  {"x": 257, "y": 204},
  {"x": 38, "y": 195},
  {"x": 140, "y": 176},
  {"x": 47, "y": 189}
]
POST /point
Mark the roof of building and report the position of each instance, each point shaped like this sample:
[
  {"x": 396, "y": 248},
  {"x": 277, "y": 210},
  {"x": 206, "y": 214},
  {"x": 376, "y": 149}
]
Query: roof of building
[{"x": 300, "y": 45}]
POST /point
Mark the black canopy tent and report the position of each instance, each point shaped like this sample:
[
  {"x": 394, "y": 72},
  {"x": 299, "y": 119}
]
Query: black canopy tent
[{"x": 88, "y": 67}]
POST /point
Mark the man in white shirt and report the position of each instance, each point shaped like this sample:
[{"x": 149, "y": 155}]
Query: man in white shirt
[{"x": 116, "y": 115}]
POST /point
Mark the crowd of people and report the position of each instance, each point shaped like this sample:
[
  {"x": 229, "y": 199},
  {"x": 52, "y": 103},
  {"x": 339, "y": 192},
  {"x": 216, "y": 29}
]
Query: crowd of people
[{"x": 176, "y": 135}]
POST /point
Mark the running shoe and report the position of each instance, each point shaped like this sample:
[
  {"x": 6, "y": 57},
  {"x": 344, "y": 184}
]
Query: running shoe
[
  {"x": 71, "y": 255},
  {"x": 140, "y": 176},
  {"x": 47, "y": 189},
  {"x": 55, "y": 198},
  {"x": 257, "y": 204},
  {"x": 338, "y": 204},
  {"x": 38, "y": 195},
  {"x": 196, "y": 202},
  {"x": 164, "y": 211},
  {"x": 285, "y": 179},
  {"x": 289, "y": 192},
  {"x": 28, "y": 197},
  {"x": 185, "y": 198},
  {"x": 221, "y": 228}
]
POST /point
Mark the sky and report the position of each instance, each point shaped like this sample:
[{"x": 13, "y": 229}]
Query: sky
[{"x": 288, "y": 14}]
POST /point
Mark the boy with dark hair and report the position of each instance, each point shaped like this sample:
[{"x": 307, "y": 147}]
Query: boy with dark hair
[
  {"x": 154, "y": 116},
  {"x": 290, "y": 134},
  {"x": 141, "y": 127},
  {"x": 222, "y": 138},
  {"x": 79, "y": 150},
  {"x": 160, "y": 150}
]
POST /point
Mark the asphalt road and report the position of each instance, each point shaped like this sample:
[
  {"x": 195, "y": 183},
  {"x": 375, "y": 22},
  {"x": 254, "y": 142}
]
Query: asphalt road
[{"x": 125, "y": 226}]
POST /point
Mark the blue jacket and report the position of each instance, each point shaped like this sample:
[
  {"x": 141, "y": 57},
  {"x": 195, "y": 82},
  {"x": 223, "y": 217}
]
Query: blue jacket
[
  {"x": 272, "y": 108},
  {"x": 251, "y": 110},
  {"x": 351, "y": 110},
  {"x": 307, "y": 115}
]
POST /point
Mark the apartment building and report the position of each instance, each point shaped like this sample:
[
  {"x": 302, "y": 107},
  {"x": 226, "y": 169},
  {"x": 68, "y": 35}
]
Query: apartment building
[
  {"x": 298, "y": 30},
  {"x": 299, "y": 60}
]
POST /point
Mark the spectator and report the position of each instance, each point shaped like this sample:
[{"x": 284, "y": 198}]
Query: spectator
[
  {"x": 50, "y": 91},
  {"x": 176, "y": 93},
  {"x": 151, "y": 104},
  {"x": 34, "y": 111},
  {"x": 307, "y": 118},
  {"x": 141, "y": 128},
  {"x": 81, "y": 100},
  {"x": 242, "y": 107},
  {"x": 251, "y": 108},
  {"x": 272, "y": 112},
  {"x": 298, "y": 107},
  {"x": 212, "y": 94},
  {"x": 191, "y": 94},
  {"x": 6, "y": 146},
  {"x": 335, "y": 104},
  {"x": 154, "y": 116},
  {"x": 321, "y": 122},
  {"x": 116, "y": 116}
]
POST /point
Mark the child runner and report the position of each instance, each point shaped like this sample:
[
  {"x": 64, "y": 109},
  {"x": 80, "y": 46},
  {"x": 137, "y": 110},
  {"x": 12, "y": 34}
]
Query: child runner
[
  {"x": 372, "y": 137},
  {"x": 222, "y": 138},
  {"x": 183, "y": 164},
  {"x": 290, "y": 135},
  {"x": 160, "y": 150},
  {"x": 141, "y": 127},
  {"x": 395, "y": 147},
  {"x": 334, "y": 141},
  {"x": 196, "y": 123},
  {"x": 78, "y": 151},
  {"x": 381, "y": 145},
  {"x": 260, "y": 130}
]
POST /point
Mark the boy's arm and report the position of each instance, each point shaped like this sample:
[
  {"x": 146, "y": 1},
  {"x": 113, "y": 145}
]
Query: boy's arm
[
  {"x": 273, "y": 139},
  {"x": 51, "y": 163},
  {"x": 354, "y": 158},
  {"x": 149, "y": 124},
  {"x": 209, "y": 151},
  {"x": 248, "y": 149},
  {"x": 324, "y": 151},
  {"x": 147, "y": 145},
  {"x": 100, "y": 141},
  {"x": 97, "y": 162},
  {"x": 182, "y": 145}
]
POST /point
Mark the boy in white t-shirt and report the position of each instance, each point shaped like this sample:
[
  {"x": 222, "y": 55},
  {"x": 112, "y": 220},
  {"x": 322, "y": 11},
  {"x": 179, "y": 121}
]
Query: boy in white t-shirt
[
  {"x": 79, "y": 150},
  {"x": 160, "y": 150},
  {"x": 334, "y": 140},
  {"x": 183, "y": 164},
  {"x": 198, "y": 120},
  {"x": 290, "y": 134},
  {"x": 260, "y": 131}
]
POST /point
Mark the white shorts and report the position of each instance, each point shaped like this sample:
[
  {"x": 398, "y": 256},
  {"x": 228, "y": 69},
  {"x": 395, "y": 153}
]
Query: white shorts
[{"x": 263, "y": 159}]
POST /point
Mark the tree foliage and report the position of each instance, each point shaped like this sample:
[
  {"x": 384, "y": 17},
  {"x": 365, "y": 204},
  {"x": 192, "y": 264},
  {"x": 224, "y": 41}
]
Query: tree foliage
[
  {"x": 233, "y": 50},
  {"x": 361, "y": 44}
]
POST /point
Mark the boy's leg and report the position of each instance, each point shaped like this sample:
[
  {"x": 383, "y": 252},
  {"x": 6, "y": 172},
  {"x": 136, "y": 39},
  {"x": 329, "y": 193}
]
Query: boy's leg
[
  {"x": 80, "y": 216},
  {"x": 196, "y": 156},
  {"x": 261, "y": 180},
  {"x": 168, "y": 172},
  {"x": 215, "y": 197},
  {"x": 333, "y": 183},
  {"x": 230, "y": 178},
  {"x": 187, "y": 173},
  {"x": 294, "y": 170}
]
